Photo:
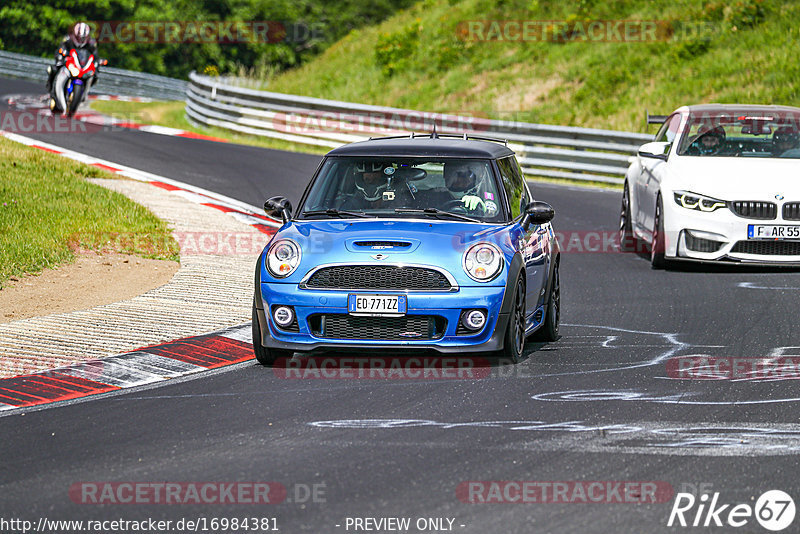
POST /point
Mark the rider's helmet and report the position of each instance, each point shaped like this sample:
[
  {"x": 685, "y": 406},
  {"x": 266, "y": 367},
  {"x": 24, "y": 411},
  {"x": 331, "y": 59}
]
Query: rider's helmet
[{"x": 80, "y": 34}]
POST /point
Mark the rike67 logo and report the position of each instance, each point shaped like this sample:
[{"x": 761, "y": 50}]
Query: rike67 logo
[{"x": 774, "y": 510}]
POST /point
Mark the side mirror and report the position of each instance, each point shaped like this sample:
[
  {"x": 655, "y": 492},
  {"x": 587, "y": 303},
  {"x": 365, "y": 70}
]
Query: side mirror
[
  {"x": 655, "y": 150},
  {"x": 538, "y": 212},
  {"x": 278, "y": 208}
]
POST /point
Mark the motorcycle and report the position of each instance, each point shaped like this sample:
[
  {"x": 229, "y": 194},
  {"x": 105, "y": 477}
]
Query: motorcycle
[{"x": 73, "y": 80}]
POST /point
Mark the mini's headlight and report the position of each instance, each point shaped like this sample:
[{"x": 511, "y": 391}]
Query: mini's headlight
[
  {"x": 75, "y": 71},
  {"x": 283, "y": 258},
  {"x": 693, "y": 201},
  {"x": 482, "y": 262}
]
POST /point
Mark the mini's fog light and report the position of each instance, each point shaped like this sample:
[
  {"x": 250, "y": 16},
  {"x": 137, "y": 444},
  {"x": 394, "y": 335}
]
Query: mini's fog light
[
  {"x": 283, "y": 315},
  {"x": 474, "y": 319}
]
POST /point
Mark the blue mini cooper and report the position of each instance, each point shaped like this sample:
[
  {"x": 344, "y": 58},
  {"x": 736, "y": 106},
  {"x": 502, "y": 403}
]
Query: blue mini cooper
[{"x": 431, "y": 242}]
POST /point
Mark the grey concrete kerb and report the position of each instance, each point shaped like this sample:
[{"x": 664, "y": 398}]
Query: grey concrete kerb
[{"x": 213, "y": 289}]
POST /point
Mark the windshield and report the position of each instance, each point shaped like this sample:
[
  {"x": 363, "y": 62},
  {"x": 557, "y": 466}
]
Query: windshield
[
  {"x": 755, "y": 134},
  {"x": 395, "y": 187}
]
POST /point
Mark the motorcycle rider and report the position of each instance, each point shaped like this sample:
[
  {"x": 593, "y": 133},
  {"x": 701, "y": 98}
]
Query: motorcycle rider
[{"x": 79, "y": 37}]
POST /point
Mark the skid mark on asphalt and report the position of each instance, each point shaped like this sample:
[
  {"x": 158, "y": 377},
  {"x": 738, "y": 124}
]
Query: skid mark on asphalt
[
  {"x": 750, "y": 285},
  {"x": 692, "y": 439},
  {"x": 691, "y": 397}
]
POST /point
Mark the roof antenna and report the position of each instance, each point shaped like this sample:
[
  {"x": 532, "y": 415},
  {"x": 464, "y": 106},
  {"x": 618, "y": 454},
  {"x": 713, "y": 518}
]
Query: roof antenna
[{"x": 434, "y": 135}]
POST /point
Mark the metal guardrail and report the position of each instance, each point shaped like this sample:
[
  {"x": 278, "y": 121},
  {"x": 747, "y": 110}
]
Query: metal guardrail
[
  {"x": 543, "y": 150},
  {"x": 111, "y": 81}
]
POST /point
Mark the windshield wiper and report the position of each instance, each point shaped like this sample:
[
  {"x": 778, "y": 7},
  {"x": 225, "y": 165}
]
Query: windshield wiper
[
  {"x": 435, "y": 212},
  {"x": 339, "y": 213}
]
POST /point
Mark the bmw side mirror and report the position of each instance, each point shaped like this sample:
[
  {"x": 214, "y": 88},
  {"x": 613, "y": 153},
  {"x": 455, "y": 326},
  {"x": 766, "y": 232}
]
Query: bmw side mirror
[
  {"x": 655, "y": 150},
  {"x": 538, "y": 212},
  {"x": 278, "y": 208}
]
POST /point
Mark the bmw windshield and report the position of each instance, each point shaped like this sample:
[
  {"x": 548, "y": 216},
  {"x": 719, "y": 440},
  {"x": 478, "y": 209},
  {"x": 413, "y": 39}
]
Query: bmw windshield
[
  {"x": 748, "y": 134},
  {"x": 410, "y": 187}
]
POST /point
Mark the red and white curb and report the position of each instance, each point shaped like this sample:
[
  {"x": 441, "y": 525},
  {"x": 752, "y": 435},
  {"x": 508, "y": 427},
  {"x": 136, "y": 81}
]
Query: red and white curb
[
  {"x": 121, "y": 98},
  {"x": 98, "y": 119},
  {"x": 148, "y": 365},
  {"x": 239, "y": 210},
  {"x": 37, "y": 104}
]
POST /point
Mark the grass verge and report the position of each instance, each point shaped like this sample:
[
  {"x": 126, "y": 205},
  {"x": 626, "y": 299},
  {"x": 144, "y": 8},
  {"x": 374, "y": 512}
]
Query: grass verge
[{"x": 48, "y": 210}]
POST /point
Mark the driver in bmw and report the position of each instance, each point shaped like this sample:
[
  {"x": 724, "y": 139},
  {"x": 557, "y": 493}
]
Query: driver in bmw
[{"x": 709, "y": 142}]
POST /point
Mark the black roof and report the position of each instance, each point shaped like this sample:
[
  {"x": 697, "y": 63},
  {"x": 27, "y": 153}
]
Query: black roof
[{"x": 424, "y": 147}]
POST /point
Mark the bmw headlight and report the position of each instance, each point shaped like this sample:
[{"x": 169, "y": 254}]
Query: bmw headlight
[
  {"x": 693, "y": 201},
  {"x": 283, "y": 258},
  {"x": 75, "y": 71},
  {"x": 483, "y": 262}
]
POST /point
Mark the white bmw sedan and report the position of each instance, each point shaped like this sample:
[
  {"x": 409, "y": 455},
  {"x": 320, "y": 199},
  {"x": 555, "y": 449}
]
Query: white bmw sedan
[{"x": 718, "y": 183}]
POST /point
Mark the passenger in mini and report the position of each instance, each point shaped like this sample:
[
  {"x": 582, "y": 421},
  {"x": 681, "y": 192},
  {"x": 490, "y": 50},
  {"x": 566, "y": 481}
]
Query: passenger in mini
[
  {"x": 785, "y": 143},
  {"x": 376, "y": 187}
]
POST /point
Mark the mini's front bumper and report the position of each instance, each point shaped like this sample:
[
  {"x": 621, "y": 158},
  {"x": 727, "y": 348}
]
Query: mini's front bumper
[{"x": 449, "y": 306}]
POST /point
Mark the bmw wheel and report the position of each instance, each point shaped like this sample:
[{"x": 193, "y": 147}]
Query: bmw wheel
[
  {"x": 657, "y": 247},
  {"x": 627, "y": 241}
]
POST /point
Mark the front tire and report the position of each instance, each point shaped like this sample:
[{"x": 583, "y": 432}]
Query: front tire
[
  {"x": 549, "y": 331},
  {"x": 658, "y": 246},
  {"x": 627, "y": 240},
  {"x": 264, "y": 355},
  {"x": 74, "y": 99},
  {"x": 514, "y": 339}
]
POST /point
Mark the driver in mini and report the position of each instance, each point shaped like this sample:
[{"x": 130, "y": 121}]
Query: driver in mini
[{"x": 462, "y": 183}]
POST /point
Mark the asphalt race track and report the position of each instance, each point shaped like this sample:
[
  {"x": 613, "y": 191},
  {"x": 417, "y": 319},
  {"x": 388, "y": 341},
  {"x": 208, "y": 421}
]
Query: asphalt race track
[{"x": 601, "y": 404}]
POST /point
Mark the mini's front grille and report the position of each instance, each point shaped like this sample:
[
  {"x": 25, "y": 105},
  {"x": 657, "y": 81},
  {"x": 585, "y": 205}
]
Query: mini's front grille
[
  {"x": 378, "y": 277},
  {"x": 406, "y": 328},
  {"x": 754, "y": 209},
  {"x": 791, "y": 211},
  {"x": 698, "y": 244},
  {"x": 768, "y": 248}
]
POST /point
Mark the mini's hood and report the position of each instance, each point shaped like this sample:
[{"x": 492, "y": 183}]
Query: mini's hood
[
  {"x": 735, "y": 178},
  {"x": 385, "y": 241}
]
